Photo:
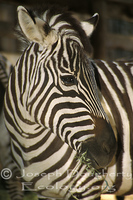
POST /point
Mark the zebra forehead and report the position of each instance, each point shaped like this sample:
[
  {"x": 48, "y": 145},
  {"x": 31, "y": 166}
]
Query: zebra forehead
[{"x": 65, "y": 21}]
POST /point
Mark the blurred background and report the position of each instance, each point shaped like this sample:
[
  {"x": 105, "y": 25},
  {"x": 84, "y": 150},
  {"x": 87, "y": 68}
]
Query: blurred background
[{"x": 112, "y": 39}]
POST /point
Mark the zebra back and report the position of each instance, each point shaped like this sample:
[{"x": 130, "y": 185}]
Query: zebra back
[{"x": 115, "y": 82}]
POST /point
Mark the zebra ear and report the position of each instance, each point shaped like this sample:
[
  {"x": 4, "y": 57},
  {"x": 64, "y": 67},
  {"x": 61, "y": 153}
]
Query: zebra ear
[
  {"x": 35, "y": 29},
  {"x": 89, "y": 25}
]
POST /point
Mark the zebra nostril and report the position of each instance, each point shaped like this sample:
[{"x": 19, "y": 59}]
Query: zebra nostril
[{"x": 106, "y": 148}]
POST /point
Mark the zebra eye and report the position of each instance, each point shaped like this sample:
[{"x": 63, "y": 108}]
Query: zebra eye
[{"x": 68, "y": 80}]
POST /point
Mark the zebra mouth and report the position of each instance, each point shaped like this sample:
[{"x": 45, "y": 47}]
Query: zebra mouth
[
  {"x": 88, "y": 160},
  {"x": 95, "y": 164}
]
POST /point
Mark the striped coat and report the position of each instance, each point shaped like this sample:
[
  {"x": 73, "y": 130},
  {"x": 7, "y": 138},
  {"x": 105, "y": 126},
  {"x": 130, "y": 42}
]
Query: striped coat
[{"x": 115, "y": 83}]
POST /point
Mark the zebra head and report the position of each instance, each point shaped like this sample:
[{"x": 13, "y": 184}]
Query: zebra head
[{"x": 62, "y": 93}]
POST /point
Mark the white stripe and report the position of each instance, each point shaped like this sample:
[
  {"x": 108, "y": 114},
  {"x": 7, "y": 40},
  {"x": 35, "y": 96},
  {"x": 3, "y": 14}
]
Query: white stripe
[
  {"x": 39, "y": 167},
  {"x": 131, "y": 70},
  {"x": 61, "y": 100},
  {"x": 53, "y": 19},
  {"x": 114, "y": 76},
  {"x": 78, "y": 128},
  {"x": 71, "y": 119},
  {"x": 34, "y": 153},
  {"x": 126, "y": 136},
  {"x": 127, "y": 82}
]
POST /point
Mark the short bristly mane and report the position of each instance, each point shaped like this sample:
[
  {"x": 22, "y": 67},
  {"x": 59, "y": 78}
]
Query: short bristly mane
[
  {"x": 63, "y": 16},
  {"x": 75, "y": 24}
]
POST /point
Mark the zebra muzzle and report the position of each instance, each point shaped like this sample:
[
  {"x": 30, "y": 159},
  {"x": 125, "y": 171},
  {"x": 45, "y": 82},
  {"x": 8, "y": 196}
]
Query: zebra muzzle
[{"x": 101, "y": 148}]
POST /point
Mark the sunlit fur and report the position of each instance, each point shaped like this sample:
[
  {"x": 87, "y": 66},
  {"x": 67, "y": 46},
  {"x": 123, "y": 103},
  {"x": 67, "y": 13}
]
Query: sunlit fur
[
  {"x": 115, "y": 82},
  {"x": 50, "y": 122}
]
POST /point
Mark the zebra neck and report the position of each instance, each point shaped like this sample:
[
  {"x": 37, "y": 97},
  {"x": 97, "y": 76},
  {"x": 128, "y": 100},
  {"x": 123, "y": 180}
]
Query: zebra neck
[{"x": 108, "y": 112}]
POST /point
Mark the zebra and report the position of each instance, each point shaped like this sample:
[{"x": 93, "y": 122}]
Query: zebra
[
  {"x": 12, "y": 184},
  {"x": 115, "y": 83},
  {"x": 52, "y": 109},
  {"x": 5, "y": 70}
]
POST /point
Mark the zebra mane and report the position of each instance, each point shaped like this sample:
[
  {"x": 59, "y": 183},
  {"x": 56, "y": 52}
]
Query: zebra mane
[
  {"x": 63, "y": 16},
  {"x": 68, "y": 17}
]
